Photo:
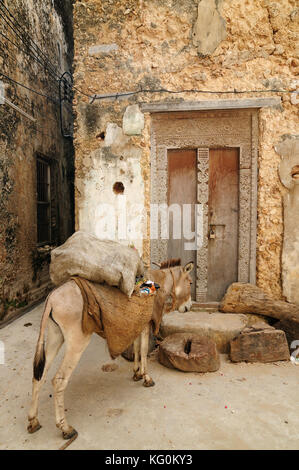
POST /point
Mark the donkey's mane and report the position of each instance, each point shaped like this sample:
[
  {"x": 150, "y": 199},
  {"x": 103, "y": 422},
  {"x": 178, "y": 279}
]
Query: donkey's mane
[{"x": 170, "y": 263}]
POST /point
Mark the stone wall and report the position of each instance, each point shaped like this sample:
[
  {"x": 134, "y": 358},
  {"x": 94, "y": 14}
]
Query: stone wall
[
  {"x": 24, "y": 266},
  {"x": 288, "y": 149},
  {"x": 149, "y": 46}
]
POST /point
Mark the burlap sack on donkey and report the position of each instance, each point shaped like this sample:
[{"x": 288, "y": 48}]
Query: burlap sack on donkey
[
  {"x": 113, "y": 315},
  {"x": 97, "y": 260}
]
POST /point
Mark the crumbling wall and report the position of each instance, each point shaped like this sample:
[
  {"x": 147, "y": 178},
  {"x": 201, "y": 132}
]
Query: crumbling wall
[
  {"x": 24, "y": 266},
  {"x": 157, "y": 45}
]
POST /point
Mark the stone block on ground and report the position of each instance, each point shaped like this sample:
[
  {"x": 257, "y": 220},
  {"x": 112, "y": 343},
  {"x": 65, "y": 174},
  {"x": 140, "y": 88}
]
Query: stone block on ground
[
  {"x": 189, "y": 353},
  {"x": 259, "y": 344},
  {"x": 219, "y": 327},
  {"x": 248, "y": 298}
]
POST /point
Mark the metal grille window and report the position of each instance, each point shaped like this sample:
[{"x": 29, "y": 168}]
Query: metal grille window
[{"x": 43, "y": 202}]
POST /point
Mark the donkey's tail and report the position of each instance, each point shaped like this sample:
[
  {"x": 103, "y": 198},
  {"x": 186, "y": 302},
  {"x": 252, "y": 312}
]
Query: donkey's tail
[{"x": 40, "y": 356}]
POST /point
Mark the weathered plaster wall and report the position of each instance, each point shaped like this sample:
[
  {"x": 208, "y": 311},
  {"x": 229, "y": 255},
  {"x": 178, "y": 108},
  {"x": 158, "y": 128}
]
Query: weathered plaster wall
[
  {"x": 23, "y": 267},
  {"x": 152, "y": 45},
  {"x": 289, "y": 176}
]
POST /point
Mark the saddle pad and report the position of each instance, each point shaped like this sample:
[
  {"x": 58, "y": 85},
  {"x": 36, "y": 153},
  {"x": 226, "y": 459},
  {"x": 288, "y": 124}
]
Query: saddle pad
[{"x": 113, "y": 315}]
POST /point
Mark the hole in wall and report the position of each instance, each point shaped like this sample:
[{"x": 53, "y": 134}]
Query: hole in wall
[
  {"x": 118, "y": 188},
  {"x": 101, "y": 136},
  {"x": 295, "y": 172}
]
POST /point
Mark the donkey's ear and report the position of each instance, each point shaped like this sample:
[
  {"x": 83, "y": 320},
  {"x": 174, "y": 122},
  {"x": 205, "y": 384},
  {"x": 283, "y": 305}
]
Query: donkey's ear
[
  {"x": 188, "y": 267},
  {"x": 156, "y": 264}
]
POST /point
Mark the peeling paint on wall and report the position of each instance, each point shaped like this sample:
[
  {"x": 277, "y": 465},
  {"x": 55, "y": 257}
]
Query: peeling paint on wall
[
  {"x": 209, "y": 29},
  {"x": 288, "y": 149}
]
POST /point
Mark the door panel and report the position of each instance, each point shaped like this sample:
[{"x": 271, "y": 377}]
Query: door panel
[
  {"x": 182, "y": 189},
  {"x": 223, "y": 221}
]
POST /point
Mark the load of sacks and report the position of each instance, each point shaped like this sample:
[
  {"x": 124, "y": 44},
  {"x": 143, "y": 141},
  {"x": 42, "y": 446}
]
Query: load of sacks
[{"x": 100, "y": 261}]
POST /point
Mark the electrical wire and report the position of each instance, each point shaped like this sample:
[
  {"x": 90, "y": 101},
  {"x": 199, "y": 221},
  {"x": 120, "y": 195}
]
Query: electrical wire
[
  {"x": 23, "y": 16},
  {"x": 35, "y": 126},
  {"x": 5, "y": 52},
  {"x": 165, "y": 90},
  {"x": 26, "y": 104},
  {"x": 35, "y": 53},
  {"x": 33, "y": 44},
  {"x": 132, "y": 93},
  {"x": 50, "y": 98},
  {"x": 34, "y": 110},
  {"x": 13, "y": 62},
  {"x": 20, "y": 49},
  {"x": 56, "y": 77},
  {"x": 38, "y": 55},
  {"x": 31, "y": 53}
]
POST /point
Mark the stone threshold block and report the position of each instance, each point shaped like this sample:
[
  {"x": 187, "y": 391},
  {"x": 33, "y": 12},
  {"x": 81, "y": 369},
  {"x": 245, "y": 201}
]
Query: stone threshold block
[
  {"x": 218, "y": 327},
  {"x": 189, "y": 353},
  {"x": 259, "y": 345}
]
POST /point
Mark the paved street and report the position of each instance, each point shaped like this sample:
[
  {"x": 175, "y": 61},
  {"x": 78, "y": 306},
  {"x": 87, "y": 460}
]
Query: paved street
[{"x": 241, "y": 406}]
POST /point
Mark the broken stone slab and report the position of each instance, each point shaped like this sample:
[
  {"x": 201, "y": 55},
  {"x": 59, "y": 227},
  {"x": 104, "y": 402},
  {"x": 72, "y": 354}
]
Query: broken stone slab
[
  {"x": 102, "y": 49},
  {"x": 247, "y": 298},
  {"x": 133, "y": 120},
  {"x": 219, "y": 327},
  {"x": 256, "y": 344},
  {"x": 209, "y": 29},
  {"x": 189, "y": 353}
]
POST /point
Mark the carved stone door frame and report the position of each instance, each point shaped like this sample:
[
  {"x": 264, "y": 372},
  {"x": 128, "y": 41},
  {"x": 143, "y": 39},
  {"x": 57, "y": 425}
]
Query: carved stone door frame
[{"x": 203, "y": 130}]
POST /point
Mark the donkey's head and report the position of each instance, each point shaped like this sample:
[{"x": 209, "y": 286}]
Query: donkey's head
[
  {"x": 177, "y": 285},
  {"x": 182, "y": 290},
  {"x": 175, "y": 289}
]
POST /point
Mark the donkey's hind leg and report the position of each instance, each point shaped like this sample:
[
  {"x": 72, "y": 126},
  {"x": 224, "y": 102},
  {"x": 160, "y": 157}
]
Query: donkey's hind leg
[
  {"x": 76, "y": 342},
  {"x": 53, "y": 344}
]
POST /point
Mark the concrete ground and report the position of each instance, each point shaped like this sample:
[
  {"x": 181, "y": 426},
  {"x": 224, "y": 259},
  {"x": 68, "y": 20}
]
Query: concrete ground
[{"x": 241, "y": 406}]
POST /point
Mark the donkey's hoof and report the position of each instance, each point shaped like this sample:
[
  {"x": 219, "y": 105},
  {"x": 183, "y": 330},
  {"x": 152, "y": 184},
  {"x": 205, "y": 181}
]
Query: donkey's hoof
[
  {"x": 69, "y": 434},
  {"x": 137, "y": 377},
  {"x": 33, "y": 426},
  {"x": 148, "y": 383}
]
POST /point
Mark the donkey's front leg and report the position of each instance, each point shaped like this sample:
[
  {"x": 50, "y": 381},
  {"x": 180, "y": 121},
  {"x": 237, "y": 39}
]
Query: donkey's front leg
[
  {"x": 148, "y": 381},
  {"x": 136, "y": 368}
]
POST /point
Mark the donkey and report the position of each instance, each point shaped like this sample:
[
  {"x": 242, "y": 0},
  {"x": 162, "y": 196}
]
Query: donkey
[{"x": 63, "y": 316}]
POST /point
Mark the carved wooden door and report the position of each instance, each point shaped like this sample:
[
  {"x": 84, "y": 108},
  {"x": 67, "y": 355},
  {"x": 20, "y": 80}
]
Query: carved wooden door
[
  {"x": 182, "y": 196},
  {"x": 223, "y": 221}
]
